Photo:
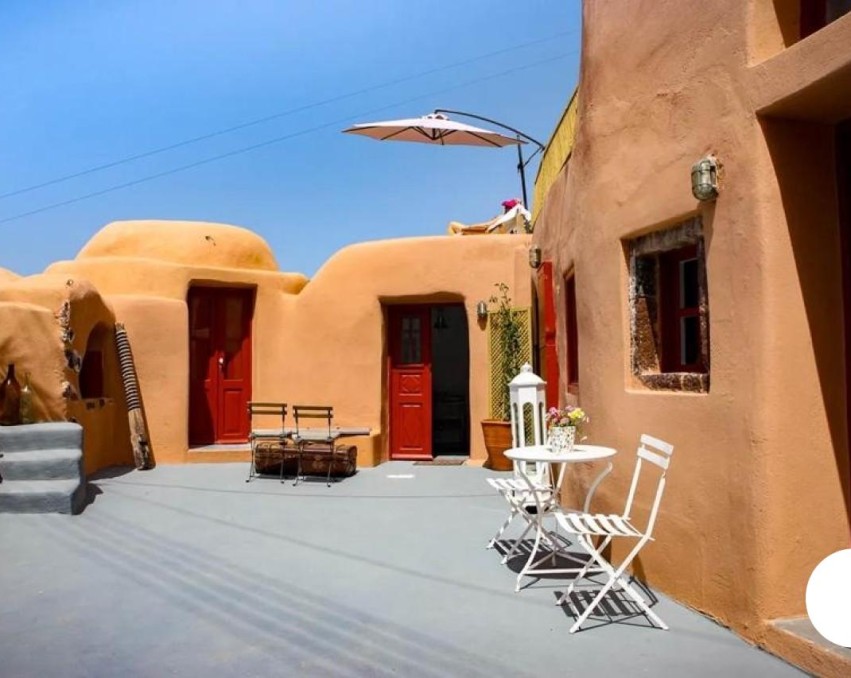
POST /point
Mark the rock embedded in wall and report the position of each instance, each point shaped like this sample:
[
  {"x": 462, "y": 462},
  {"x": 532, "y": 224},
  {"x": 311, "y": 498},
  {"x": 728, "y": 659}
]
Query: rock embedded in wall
[
  {"x": 69, "y": 391},
  {"x": 73, "y": 360}
]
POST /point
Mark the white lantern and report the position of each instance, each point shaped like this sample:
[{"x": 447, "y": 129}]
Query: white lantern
[{"x": 527, "y": 388}]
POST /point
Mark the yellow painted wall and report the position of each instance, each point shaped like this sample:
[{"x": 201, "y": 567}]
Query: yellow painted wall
[{"x": 556, "y": 153}]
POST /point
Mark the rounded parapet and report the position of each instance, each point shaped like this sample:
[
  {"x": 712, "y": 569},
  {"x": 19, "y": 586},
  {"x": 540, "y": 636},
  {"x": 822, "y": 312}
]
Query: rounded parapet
[
  {"x": 193, "y": 243},
  {"x": 8, "y": 276}
]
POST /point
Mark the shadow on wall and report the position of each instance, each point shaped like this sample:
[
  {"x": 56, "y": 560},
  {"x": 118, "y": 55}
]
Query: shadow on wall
[
  {"x": 805, "y": 161},
  {"x": 101, "y": 408}
]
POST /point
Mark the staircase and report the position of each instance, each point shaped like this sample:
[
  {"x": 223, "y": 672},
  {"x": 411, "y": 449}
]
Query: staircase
[{"x": 42, "y": 468}]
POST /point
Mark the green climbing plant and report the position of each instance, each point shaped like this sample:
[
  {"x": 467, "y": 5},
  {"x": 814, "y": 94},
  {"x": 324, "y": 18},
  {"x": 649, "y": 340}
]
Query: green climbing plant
[{"x": 507, "y": 334}]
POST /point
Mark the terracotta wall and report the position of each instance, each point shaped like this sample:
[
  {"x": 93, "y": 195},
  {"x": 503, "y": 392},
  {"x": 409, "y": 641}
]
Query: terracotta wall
[
  {"x": 758, "y": 487},
  {"x": 45, "y": 328},
  {"x": 29, "y": 338},
  {"x": 339, "y": 332},
  {"x": 321, "y": 341}
]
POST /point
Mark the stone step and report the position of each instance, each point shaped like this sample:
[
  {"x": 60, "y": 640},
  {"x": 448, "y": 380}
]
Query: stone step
[
  {"x": 44, "y": 436},
  {"x": 42, "y": 496},
  {"x": 42, "y": 465}
]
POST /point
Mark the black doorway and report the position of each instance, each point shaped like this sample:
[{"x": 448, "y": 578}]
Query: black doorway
[{"x": 450, "y": 380}]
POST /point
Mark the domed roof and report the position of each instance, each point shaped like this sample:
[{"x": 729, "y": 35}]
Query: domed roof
[
  {"x": 7, "y": 276},
  {"x": 192, "y": 243}
]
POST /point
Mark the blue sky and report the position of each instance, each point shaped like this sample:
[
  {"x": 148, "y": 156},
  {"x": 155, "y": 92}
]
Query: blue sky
[{"x": 88, "y": 82}]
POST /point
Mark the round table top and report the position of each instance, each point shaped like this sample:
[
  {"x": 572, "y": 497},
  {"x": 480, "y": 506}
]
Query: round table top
[{"x": 580, "y": 452}]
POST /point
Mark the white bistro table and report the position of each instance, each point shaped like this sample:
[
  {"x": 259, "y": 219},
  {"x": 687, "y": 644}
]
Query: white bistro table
[{"x": 548, "y": 501}]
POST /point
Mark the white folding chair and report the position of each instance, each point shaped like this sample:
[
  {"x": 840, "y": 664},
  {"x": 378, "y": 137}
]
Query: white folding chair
[
  {"x": 532, "y": 484},
  {"x": 586, "y": 526},
  {"x": 519, "y": 493}
]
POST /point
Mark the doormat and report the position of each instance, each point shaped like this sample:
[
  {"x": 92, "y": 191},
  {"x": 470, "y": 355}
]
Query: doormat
[{"x": 441, "y": 462}]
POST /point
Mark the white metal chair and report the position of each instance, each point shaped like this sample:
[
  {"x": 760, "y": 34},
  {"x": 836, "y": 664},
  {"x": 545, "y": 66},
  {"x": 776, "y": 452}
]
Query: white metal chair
[
  {"x": 547, "y": 506},
  {"x": 587, "y": 526},
  {"x": 527, "y": 394},
  {"x": 520, "y": 495}
]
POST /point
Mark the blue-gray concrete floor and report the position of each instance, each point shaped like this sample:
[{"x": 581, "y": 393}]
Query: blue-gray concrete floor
[{"x": 188, "y": 571}]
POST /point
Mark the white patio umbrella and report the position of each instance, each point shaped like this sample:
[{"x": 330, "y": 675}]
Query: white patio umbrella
[
  {"x": 434, "y": 128},
  {"x": 437, "y": 128}
]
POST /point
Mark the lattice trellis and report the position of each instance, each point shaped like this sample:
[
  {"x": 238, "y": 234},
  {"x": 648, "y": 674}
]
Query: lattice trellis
[{"x": 499, "y": 390}]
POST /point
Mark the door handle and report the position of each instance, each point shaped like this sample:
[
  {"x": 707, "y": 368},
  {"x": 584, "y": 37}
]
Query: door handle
[{"x": 221, "y": 362}]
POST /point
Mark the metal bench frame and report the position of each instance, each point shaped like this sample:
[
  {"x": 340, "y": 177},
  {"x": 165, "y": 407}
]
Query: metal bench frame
[
  {"x": 256, "y": 409},
  {"x": 327, "y": 437}
]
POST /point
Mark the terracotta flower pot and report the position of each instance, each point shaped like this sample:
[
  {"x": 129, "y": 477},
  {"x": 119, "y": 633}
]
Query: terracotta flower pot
[{"x": 497, "y": 441}]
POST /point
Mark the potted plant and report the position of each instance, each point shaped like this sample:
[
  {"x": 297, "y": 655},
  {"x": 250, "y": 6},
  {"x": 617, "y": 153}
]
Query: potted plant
[
  {"x": 562, "y": 426},
  {"x": 506, "y": 353}
]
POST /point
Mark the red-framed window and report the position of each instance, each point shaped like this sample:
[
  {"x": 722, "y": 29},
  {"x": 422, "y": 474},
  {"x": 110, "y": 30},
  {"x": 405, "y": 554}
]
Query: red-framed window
[
  {"x": 572, "y": 334},
  {"x": 679, "y": 292}
]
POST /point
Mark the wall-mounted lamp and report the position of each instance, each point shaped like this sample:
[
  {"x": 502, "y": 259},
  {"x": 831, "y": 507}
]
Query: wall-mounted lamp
[
  {"x": 534, "y": 256},
  {"x": 482, "y": 310},
  {"x": 704, "y": 178}
]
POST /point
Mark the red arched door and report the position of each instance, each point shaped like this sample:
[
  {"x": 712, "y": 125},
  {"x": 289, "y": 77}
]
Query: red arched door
[
  {"x": 409, "y": 348},
  {"x": 219, "y": 364}
]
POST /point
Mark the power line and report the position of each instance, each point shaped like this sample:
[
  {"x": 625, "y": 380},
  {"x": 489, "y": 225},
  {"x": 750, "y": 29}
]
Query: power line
[
  {"x": 275, "y": 116},
  {"x": 269, "y": 142}
]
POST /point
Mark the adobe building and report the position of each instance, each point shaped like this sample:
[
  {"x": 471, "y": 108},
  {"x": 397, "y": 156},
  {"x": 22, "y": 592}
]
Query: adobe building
[
  {"x": 386, "y": 332},
  {"x": 719, "y": 325}
]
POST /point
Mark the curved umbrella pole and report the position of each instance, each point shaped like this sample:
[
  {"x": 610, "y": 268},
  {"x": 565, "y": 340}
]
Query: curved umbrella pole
[
  {"x": 521, "y": 164},
  {"x": 139, "y": 439}
]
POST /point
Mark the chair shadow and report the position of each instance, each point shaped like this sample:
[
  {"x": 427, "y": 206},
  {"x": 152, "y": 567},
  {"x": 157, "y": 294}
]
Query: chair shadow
[
  {"x": 289, "y": 476},
  {"x": 615, "y": 608},
  {"x": 573, "y": 559}
]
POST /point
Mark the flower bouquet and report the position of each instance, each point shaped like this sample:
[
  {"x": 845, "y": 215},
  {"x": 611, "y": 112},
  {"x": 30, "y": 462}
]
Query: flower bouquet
[{"x": 562, "y": 424}]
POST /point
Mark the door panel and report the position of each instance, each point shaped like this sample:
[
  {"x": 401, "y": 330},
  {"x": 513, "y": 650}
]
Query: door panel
[
  {"x": 220, "y": 364},
  {"x": 234, "y": 310},
  {"x": 410, "y": 382},
  {"x": 231, "y": 424}
]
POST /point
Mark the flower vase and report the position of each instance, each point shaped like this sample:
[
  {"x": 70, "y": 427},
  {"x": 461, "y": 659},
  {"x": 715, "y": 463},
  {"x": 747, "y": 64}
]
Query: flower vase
[{"x": 561, "y": 439}]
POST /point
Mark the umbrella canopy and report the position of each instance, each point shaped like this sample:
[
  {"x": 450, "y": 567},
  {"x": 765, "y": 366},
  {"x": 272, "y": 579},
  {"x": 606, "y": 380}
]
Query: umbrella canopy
[{"x": 434, "y": 128}]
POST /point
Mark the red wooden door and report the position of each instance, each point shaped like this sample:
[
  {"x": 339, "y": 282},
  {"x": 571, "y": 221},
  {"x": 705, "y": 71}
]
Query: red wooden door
[
  {"x": 410, "y": 382},
  {"x": 219, "y": 364},
  {"x": 547, "y": 313}
]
